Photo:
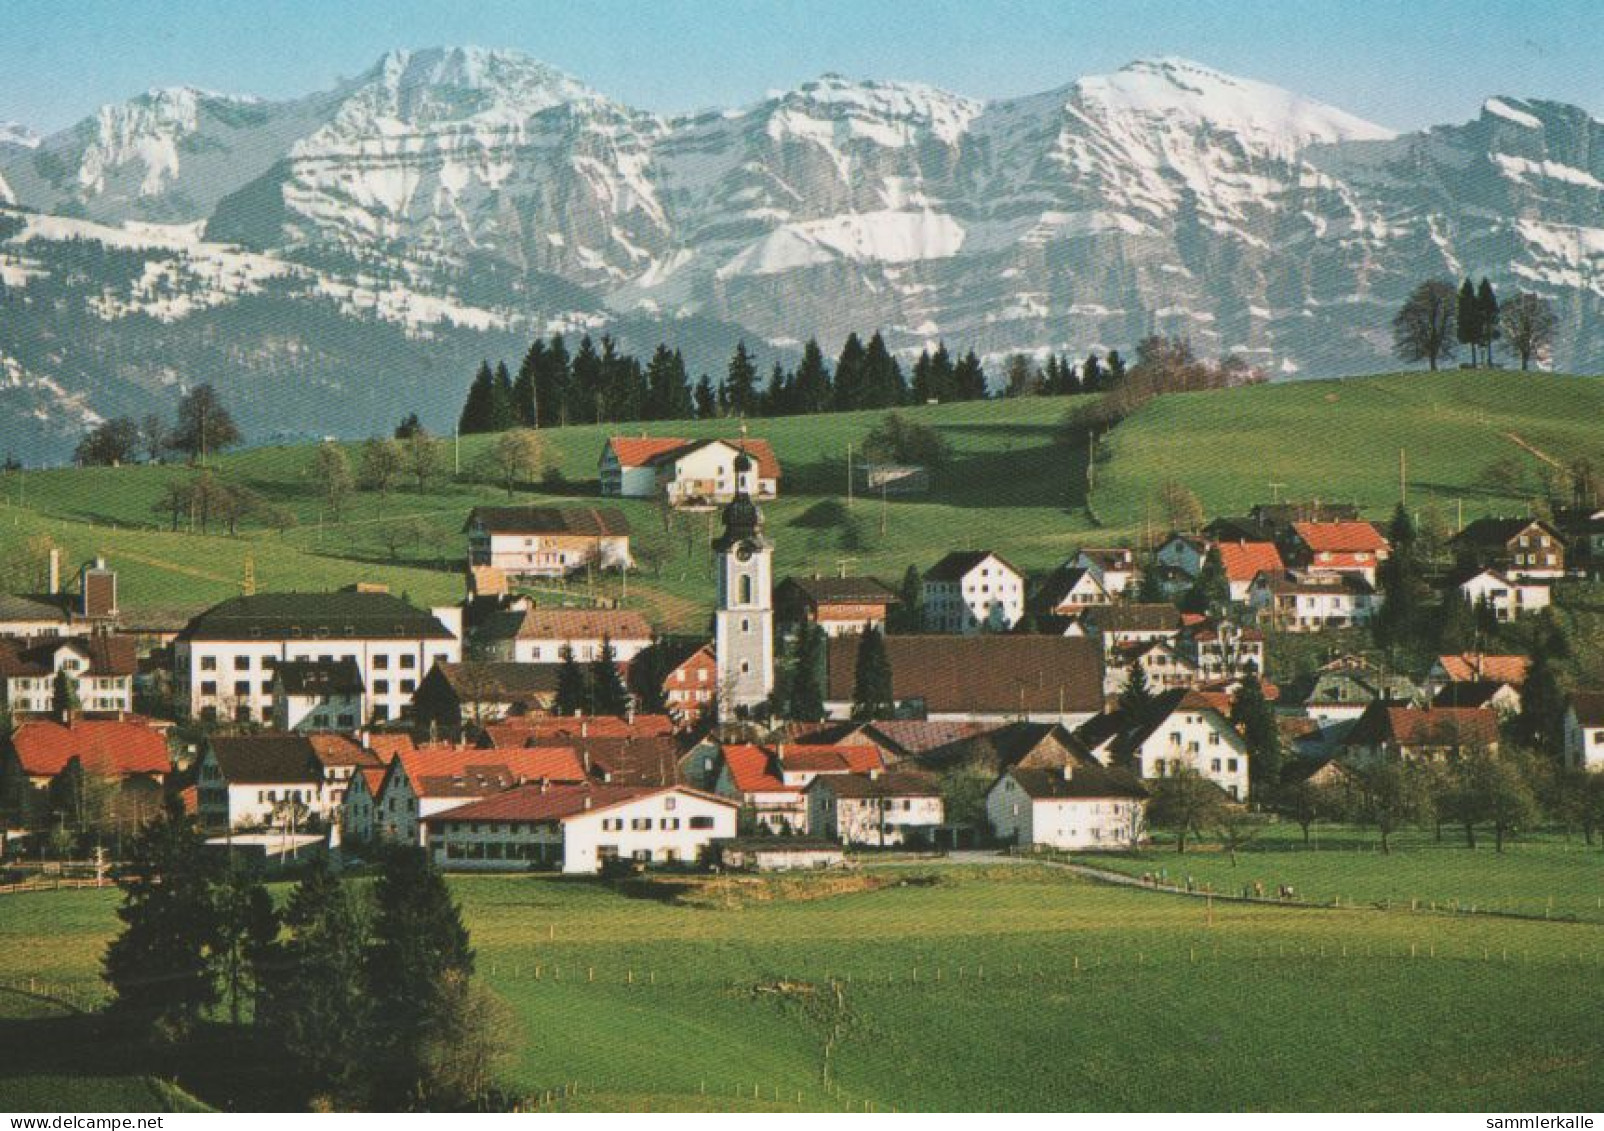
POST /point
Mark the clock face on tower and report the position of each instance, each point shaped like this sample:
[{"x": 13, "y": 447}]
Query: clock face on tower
[{"x": 743, "y": 552}]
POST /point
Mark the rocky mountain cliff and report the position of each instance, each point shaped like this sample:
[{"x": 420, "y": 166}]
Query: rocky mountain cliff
[{"x": 367, "y": 244}]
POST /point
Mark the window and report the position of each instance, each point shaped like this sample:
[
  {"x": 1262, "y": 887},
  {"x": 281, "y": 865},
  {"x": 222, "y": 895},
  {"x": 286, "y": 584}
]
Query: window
[
  {"x": 409, "y": 661},
  {"x": 669, "y": 803},
  {"x": 242, "y": 663},
  {"x": 702, "y": 822},
  {"x": 242, "y": 687},
  {"x": 208, "y": 663},
  {"x": 408, "y": 686},
  {"x": 209, "y": 687},
  {"x": 381, "y": 687},
  {"x": 640, "y": 824}
]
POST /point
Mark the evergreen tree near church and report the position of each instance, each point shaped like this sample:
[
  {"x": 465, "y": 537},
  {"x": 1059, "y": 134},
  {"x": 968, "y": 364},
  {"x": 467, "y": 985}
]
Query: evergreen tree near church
[
  {"x": 740, "y": 383},
  {"x": 1136, "y": 700},
  {"x": 883, "y": 384},
  {"x": 871, "y": 680},
  {"x": 705, "y": 398},
  {"x": 668, "y": 395},
  {"x": 525, "y": 399},
  {"x": 811, "y": 386},
  {"x": 1488, "y": 330},
  {"x": 608, "y": 695},
  {"x": 851, "y": 375},
  {"x": 807, "y": 681},
  {"x": 553, "y": 381},
  {"x": 1401, "y": 582},
  {"x": 573, "y": 691},
  {"x": 970, "y": 379}
]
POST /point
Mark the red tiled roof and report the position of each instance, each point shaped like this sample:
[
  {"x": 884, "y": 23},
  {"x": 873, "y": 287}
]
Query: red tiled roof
[
  {"x": 830, "y": 759},
  {"x": 387, "y": 746},
  {"x": 373, "y": 776},
  {"x": 558, "y": 803},
  {"x": 337, "y": 750},
  {"x": 1472, "y": 666},
  {"x": 768, "y": 467},
  {"x": 1340, "y": 537},
  {"x": 1589, "y": 707},
  {"x": 638, "y": 451},
  {"x": 1244, "y": 561},
  {"x": 108, "y": 746},
  {"x": 1431, "y": 726},
  {"x": 750, "y": 770},
  {"x": 438, "y": 770}
]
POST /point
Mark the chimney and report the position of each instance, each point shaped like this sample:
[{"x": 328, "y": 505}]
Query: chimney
[
  {"x": 1069, "y": 772},
  {"x": 874, "y": 773},
  {"x": 544, "y": 785},
  {"x": 584, "y": 728},
  {"x": 587, "y": 801},
  {"x": 55, "y": 571},
  {"x": 629, "y": 711}
]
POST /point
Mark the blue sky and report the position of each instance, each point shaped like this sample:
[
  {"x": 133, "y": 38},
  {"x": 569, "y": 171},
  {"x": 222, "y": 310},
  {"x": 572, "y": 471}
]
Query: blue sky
[{"x": 1403, "y": 63}]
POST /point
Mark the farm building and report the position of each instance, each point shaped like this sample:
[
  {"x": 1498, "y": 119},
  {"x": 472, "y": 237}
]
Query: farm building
[
  {"x": 1080, "y": 805},
  {"x": 687, "y": 472},
  {"x": 1519, "y": 548},
  {"x": 1187, "y": 730},
  {"x": 579, "y": 828},
  {"x": 1584, "y": 730},
  {"x": 1509, "y": 597},
  {"x": 1427, "y": 734},
  {"x": 538, "y": 635},
  {"x": 972, "y": 591},
  {"x": 311, "y": 695},
  {"x": 547, "y": 541},
  {"x": 838, "y": 605},
  {"x": 878, "y": 809},
  {"x": 100, "y": 669}
]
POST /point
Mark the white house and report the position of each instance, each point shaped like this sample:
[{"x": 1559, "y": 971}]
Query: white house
[
  {"x": 1075, "y": 806},
  {"x": 1118, "y": 627},
  {"x": 1113, "y": 566},
  {"x": 538, "y": 636},
  {"x": 1165, "y": 665},
  {"x": 547, "y": 541},
  {"x": 1297, "y": 601},
  {"x": 971, "y": 591},
  {"x": 879, "y": 809},
  {"x": 686, "y": 471},
  {"x": 312, "y": 696},
  {"x": 1343, "y": 547},
  {"x": 224, "y": 658},
  {"x": 359, "y": 809},
  {"x": 579, "y": 828},
  {"x": 100, "y": 669},
  {"x": 1070, "y": 590},
  {"x": 255, "y": 781},
  {"x": 1188, "y": 730},
  {"x": 1508, "y": 597},
  {"x": 1584, "y": 731},
  {"x": 1243, "y": 561}
]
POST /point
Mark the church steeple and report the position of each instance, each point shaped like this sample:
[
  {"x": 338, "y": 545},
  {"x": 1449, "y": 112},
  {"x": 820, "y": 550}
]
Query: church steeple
[{"x": 744, "y": 620}]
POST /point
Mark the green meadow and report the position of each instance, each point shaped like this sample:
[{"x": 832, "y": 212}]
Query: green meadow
[
  {"x": 1007, "y": 986},
  {"x": 1015, "y": 484}
]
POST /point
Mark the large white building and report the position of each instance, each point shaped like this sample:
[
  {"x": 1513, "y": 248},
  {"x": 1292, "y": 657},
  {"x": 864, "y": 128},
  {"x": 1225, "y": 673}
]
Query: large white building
[
  {"x": 1188, "y": 730},
  {"x": 971, "y": 591},
  {"x": 421, "y": 782},
  {"x": 579, "y": 828},
  {"x": 100, "y": 670},
  {"x": 1509, "y": 597},
  {"x": 225, "y": 658},
  {"x": 547, "y": 541},
  {"x": 1074, "y": 806}
]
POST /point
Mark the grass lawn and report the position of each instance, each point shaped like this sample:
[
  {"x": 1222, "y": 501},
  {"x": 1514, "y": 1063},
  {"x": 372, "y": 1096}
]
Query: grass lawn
[{"x": 1009, "y": 987}]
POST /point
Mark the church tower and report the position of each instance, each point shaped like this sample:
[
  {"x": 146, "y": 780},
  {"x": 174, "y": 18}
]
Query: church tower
[{"x": 744, "y": 622}]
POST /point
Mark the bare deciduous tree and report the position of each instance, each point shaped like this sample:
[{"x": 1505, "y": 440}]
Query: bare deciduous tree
[
  {"x": 1425, "y": 325},
  {"x": 1528, "y": 323}
]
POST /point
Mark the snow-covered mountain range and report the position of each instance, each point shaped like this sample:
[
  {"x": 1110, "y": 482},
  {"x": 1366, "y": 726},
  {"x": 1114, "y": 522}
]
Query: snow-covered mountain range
[{"x": 449, "y": 203}]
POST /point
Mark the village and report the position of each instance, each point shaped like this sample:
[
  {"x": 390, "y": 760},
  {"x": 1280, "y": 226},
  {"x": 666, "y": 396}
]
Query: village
[{"x": 823, "y": 720}]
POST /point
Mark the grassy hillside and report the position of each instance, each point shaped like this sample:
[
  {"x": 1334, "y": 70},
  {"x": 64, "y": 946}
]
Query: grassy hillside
[
  {"x": 993, "y": 988},
  {"x": 1014, "y": 486},
  {"x": 1339, "y": 440}
]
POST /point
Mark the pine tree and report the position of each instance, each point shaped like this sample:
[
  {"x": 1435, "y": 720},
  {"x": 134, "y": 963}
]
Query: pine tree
[
  {"x": 883, "y": 382},
  {"x": 706, "y": 399},
  {"x": 554, "y": 386},
  {"x": 588, "y": 390},
  {"x": 647, "y": 673},
  {"x": 1149, "y": 588},
  {"x": 524, "y": 399},
  {"x": 64, "y": 696},
  {"x": 909, "y": 611},
  {"x": 1137, "y": 702},
  {"x": 623, "y": 384},
  {"x": 970, "y": 379},
  {"x": 1115, "y": 371},
  {"x": 608, "y": 694},
  {"x": 812, "y": 384},
  {"x": 160, "y": 967},
  {"x": 418, "y": 945},
  {"x": 740, "y": 383},
  {"x": 1541, "y": 722},
  {"x": 807, "y": 682},
  {"x": 1455, "y": 623},
  {"x": 1468, "y": 323},
  {"x": 477, "y": 410},
  {"x": 314, "y": 999},
  {"x": 1070, "y": 379},
  {"x": 1091, "y": 374},
  {"x": 503, "y": 412},
  {"x": 871, "y": 681},
  {"x": 943, "y": 377},
  {"x": 1487, "y": 320},
  {"x": 851, "y": 375},
  {"x": 1211, "y": 590},
  {"x": 248, "y": 930},
  {"x": 1254, "y": 718},
  {"x": 777, "y": 397},
  {"x": 668, "y": 396},
  {"x": 1401, "y": 584},
  {"x": 573, "y": 690}
]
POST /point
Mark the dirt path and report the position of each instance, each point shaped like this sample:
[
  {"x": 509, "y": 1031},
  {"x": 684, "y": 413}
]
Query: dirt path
[{"x": 1534, "y": 450}]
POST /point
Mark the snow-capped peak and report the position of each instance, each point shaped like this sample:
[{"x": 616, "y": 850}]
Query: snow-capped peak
[
  {"x": 15, "y": 133},
  {"x": 1178, "y": 89},
  {"x": 445, "y": 85},
  {"x": 942, "y": 113}
]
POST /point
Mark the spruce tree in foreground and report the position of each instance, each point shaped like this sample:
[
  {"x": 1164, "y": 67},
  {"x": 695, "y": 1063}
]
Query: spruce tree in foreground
[
  {"x": 160, "y": 967},
  {"x": 573, "y": 690},
  {"x": 1255, "y": 719},
  {"x": 1136, "y": 700},
  {"x": 807, "y": 686},
  {"x": 418, "y": 948},
  {"x": 871, "y": 681},
  {"x": 609, "y": 696}
]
